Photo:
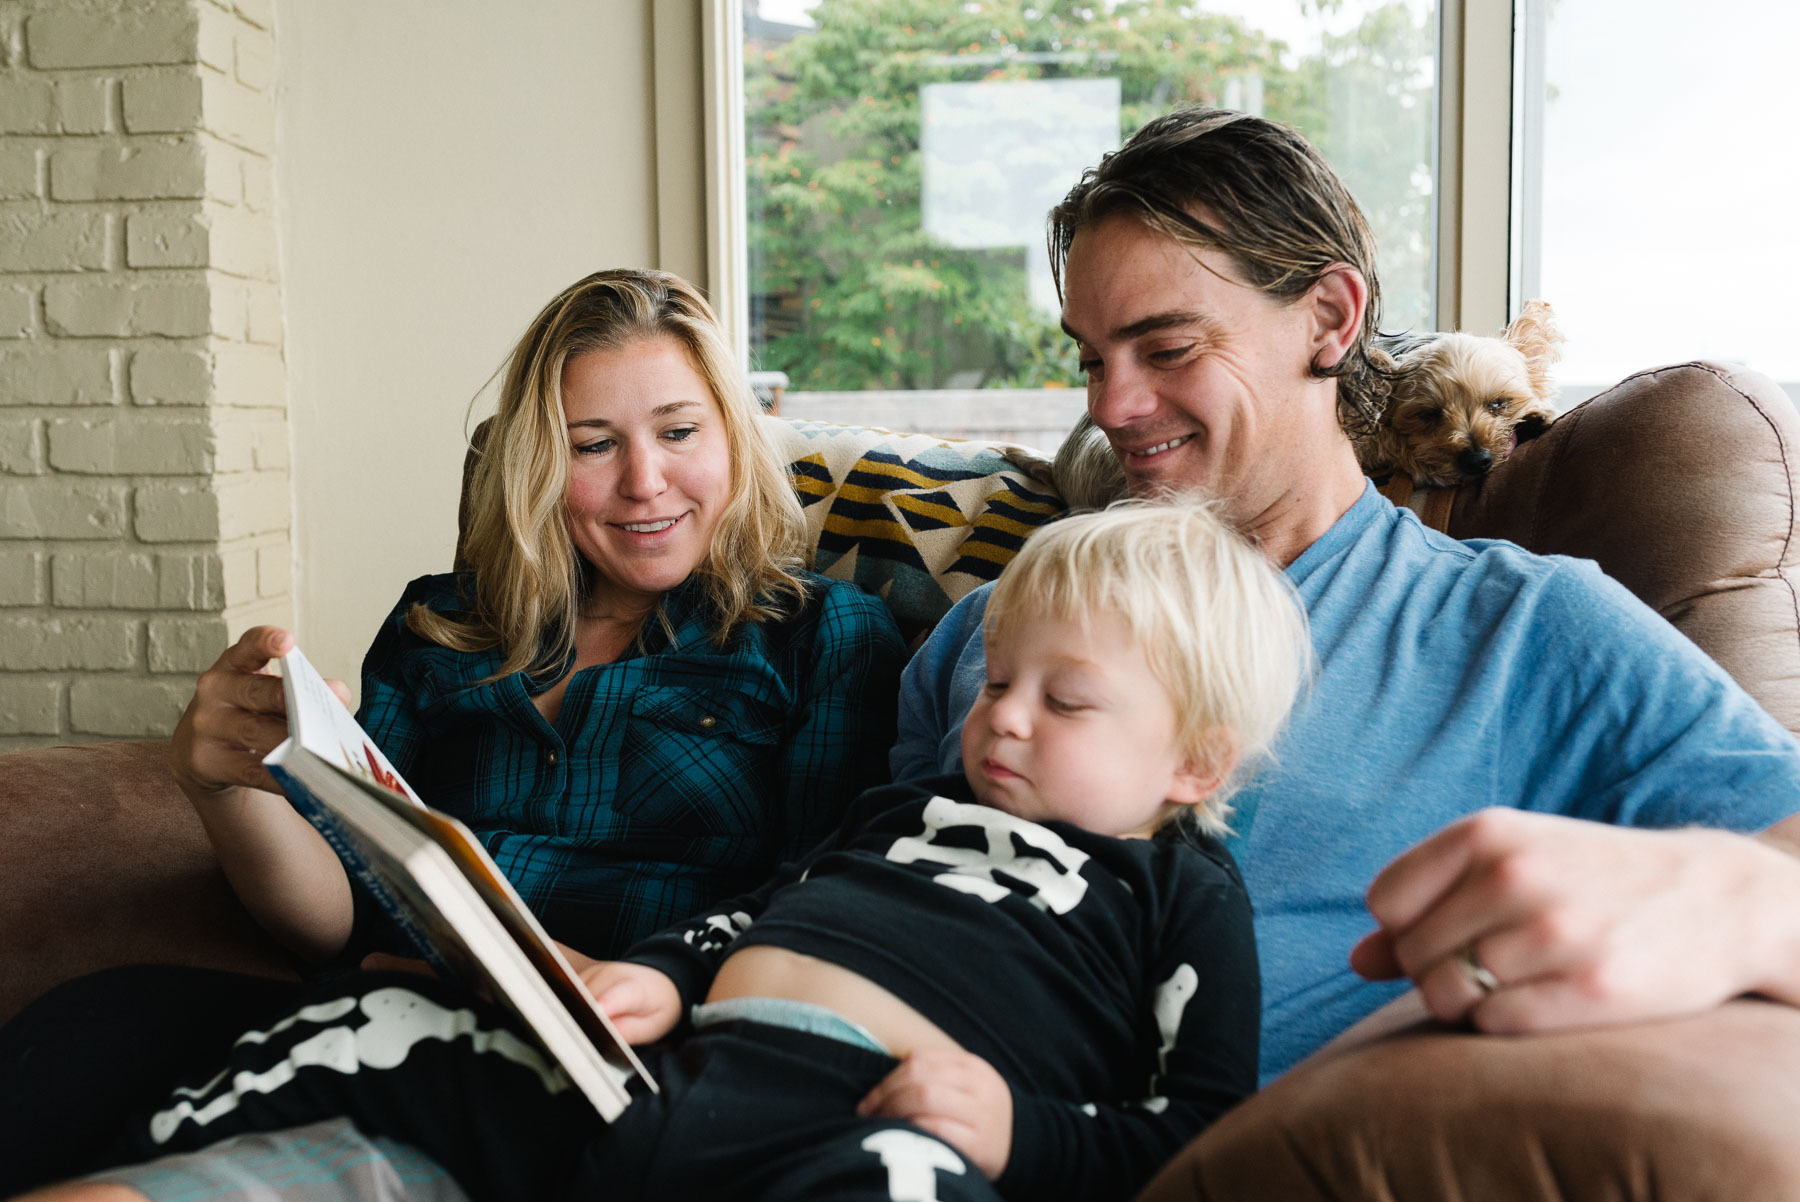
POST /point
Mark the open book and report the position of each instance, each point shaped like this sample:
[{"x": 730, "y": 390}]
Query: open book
[{"x": 430, "y": 874}]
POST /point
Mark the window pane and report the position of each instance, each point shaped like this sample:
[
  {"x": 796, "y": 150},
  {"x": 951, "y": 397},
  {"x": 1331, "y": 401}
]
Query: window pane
[
  {"x": 1664, "y": 225},
  {"x": 902, "y": 155}
]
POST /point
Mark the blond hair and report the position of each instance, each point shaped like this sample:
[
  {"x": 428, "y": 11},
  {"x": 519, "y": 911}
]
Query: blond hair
[
  {"x": 1221, "y": 628},
  {"x": 529, "y": 579}
]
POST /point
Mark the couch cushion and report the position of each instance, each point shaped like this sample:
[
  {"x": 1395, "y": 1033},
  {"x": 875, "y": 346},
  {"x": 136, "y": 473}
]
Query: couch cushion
[{"x": 104, "y": 863}]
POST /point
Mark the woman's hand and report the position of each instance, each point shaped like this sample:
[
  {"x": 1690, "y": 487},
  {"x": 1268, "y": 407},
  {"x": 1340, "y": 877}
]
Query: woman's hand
[
  {"x": 281, "y": 869},
  {"x": 236, "y": 717},
  {"x": 641, "y": 1002},
  {"x": 955, "y": 1095}
]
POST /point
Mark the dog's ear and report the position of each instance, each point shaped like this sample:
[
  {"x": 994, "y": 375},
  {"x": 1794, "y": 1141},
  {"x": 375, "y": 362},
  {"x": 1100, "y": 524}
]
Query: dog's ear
[
  {"x": 1394, "y": 370},
  {"x": 1536, "y": 336},
  {"x": 1533, "y": 420},
  {"x": 1530, "y": 426}
]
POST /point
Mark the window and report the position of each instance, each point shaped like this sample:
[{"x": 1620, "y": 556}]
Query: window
[
  {"x": 900, "y": 158},
  {"x": 1656, "y": 159}
]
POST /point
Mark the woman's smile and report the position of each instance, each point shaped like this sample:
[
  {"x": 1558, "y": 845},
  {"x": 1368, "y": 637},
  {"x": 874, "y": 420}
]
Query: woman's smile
[{"x": 649, "y": 468}]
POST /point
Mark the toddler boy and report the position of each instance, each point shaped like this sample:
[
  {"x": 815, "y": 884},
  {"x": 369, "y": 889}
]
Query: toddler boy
[{"x": 1037, "y": 980}]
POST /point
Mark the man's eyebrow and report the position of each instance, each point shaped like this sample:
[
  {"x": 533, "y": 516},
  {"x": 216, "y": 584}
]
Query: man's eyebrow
[
  {"x": 659, "y": 411},
  {"x": 1151, "y": 325}
]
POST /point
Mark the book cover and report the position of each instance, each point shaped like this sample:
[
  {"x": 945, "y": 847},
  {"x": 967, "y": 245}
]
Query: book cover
[{"x": 430, "y": 873}]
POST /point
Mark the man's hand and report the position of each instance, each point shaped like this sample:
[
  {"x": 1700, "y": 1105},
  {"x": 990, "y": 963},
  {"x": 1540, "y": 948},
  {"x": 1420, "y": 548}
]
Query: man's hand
[
  {"x": 641, "y": 1002},
  {"x": 956, "y": 1096},
  {"x": 1581, "y": 923}
]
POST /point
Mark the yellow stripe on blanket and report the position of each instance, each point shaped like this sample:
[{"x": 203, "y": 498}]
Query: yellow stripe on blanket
[
  {"x": 885, "y": 528},
  {"x": 898, "y": 471},
  {"x": 949, "y": 514},
  {"x": 992, "y": 552},
  {"x": 995, "y": 521}
]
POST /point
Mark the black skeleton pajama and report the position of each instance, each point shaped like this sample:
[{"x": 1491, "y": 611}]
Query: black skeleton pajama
[
  {"x": 746, "y": 1110},
  {"x": 1111, "y": 982}
]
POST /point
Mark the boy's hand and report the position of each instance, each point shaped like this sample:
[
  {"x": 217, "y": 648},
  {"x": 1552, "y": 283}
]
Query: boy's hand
[
  {"x": 955, "y": 1095},
  {"x": 641, "y": 1002}
]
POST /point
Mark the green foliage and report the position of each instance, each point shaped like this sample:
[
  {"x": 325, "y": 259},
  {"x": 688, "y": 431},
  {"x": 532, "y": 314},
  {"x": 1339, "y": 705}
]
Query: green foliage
[
  {"x": 851, "y": 292},
  {"x": 1369, "y": 109}
]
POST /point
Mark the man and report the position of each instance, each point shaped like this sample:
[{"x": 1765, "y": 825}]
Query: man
[{"x": 1536, "y": 747}]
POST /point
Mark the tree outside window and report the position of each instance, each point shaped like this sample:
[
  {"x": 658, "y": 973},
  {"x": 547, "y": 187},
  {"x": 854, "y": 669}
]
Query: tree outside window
[{"x": 882, "y": 200}]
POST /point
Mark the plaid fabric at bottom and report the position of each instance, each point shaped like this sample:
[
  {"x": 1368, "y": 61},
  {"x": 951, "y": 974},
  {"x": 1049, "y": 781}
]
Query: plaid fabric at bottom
[{"x": 325, "y": 1162}]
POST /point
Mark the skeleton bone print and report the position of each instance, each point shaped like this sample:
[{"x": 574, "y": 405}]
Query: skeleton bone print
[
  {"x": 913, "y": 1161},
  {"x": 395, "y": 1021},
  {"x": 1050, "y": 866},
  {"x": 717, "y": 931}
]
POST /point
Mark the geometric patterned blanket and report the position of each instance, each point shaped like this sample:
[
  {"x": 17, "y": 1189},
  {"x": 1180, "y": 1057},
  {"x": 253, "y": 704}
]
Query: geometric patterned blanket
[{"x": 916, "y": 520}]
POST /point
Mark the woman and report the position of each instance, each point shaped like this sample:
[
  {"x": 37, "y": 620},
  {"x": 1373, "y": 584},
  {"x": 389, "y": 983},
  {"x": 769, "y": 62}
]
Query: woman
[{"x": 634, "y": 696}]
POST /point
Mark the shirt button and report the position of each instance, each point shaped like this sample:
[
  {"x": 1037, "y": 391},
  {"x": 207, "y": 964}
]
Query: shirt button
[
  {"x": 708, "y": 722},
  {"x": 550, "y": 758}
]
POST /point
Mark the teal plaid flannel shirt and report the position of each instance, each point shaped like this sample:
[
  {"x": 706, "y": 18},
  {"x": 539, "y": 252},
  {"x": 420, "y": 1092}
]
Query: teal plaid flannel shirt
[{"x": 678, "y": 775}]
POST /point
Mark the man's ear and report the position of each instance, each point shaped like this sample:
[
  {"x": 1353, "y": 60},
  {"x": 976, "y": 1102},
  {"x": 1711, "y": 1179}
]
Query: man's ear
[{"x": 1336, "y": 304}]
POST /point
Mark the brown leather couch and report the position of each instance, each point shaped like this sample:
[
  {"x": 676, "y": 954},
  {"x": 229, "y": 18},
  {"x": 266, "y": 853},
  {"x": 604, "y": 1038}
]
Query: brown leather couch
[{"x": 1680, "y": 482}]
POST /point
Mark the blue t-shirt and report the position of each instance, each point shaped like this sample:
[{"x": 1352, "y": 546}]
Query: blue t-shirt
[{"x": 1451, "y": 676}]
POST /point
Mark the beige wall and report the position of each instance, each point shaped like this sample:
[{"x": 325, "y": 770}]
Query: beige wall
[{"x": 443, "y": 168}]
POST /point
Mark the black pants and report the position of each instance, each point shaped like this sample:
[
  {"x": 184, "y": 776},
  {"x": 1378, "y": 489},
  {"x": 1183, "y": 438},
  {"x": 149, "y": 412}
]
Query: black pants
[
  {"x": 79, "y": 1061},
  {"x": 746, "y": 1110}
]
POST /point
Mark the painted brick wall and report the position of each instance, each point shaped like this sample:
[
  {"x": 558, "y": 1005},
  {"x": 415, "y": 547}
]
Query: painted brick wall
[{"x": 144, "y": 495}]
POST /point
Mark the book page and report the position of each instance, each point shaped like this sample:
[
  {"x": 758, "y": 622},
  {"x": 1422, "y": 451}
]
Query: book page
[{"x": 321, "y": 724}]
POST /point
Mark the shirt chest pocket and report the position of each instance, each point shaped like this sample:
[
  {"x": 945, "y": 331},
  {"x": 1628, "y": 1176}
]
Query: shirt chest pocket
[{"x": 699, "y": 763}]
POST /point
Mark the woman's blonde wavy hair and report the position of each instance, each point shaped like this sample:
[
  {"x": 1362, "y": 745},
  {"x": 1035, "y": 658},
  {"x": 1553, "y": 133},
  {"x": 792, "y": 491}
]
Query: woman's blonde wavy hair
[{"x": 529, "y": 581}]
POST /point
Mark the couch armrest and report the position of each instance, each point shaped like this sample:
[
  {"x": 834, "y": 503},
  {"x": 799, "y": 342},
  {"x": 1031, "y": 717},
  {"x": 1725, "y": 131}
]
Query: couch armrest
[
  {"x": 103, "y": 862},
  {"x": 1681, "y": 483},
  {"x": 1695, "y": 1108}
]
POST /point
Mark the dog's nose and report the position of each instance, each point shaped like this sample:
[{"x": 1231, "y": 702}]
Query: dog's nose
[{"x": 1475, "y": 461}]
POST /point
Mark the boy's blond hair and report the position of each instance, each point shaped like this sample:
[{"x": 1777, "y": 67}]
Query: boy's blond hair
[{"x": 1220, "y": 626}]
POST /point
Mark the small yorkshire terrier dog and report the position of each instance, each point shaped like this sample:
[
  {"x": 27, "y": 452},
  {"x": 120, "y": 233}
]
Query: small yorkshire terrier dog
[{"x": 1459, "y": 403}]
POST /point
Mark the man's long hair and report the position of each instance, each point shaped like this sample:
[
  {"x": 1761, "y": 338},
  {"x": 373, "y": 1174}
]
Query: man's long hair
[{"x": 1257, "y": 192}]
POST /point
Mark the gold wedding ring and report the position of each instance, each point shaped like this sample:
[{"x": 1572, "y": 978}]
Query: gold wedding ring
[{"x": 1475, "y": 972}]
